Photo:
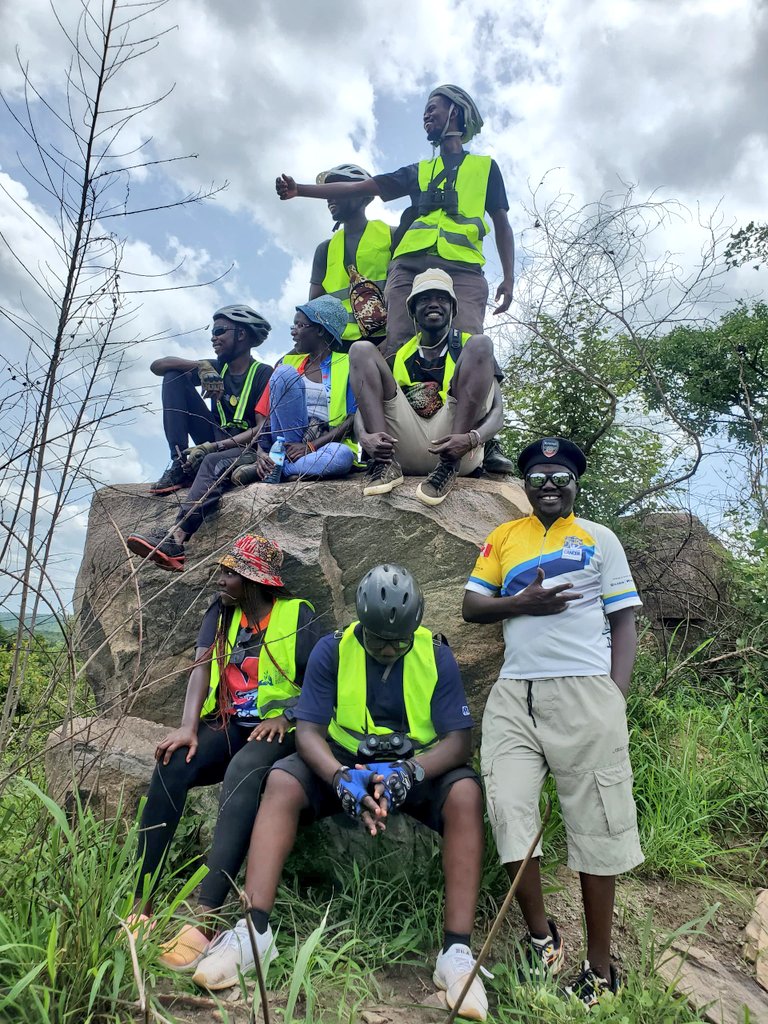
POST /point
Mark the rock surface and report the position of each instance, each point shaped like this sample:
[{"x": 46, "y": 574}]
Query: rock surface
[
  {"x": 719, "y": 992},
  {"x": 139, "y": 623},
  {"x": 756, "y": 938}
]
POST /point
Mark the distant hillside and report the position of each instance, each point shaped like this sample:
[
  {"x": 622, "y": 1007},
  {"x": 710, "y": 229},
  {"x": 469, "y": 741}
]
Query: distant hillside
[{"x": 46, "y": 625}]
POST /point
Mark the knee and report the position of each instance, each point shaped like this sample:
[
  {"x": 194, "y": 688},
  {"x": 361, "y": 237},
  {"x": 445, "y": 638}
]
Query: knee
[
  {"x": 362, "y": 353},
  {"x": 282, "y": 788},
  {"x": 479, "y": 348},
  {"x": 283, "y": 373},
  {"x": 464, "y": 804}
]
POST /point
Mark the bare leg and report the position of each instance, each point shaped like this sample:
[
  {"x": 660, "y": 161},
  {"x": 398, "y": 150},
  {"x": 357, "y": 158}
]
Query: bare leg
[
  {"x": 598, "y": 893},
  {"x": 472, "y": 381},
  {"x": 462, "y": 854},
  {"x": 273, "y": 836},
  {"x": 530, "y": 897},
  {"x": 372, "y": 383}
]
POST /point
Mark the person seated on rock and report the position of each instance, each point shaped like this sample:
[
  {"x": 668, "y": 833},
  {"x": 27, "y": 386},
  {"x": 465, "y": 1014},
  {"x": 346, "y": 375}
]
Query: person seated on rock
[
  {"x": 382, "y": 726},
  {"x": 433, "y": 411},
  {"x": 364, "y": 244},
  {"x": 308, "y": 401},
  {"x": 251, "y": 655},
  {"x": 234, "y": 382}
]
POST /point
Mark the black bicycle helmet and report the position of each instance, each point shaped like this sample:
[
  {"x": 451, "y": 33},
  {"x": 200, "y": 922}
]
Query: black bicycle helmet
[
  {"x": 246, "y": 317},
  {"x": 389, "y": 602}
]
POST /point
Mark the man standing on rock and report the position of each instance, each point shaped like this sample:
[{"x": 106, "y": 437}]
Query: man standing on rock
[
  {"x": 382, "y": 725},
  {"x": 432, "y": 412},
  {"x": 445, "y": 225},
  {"x": 564, "y": 592}
]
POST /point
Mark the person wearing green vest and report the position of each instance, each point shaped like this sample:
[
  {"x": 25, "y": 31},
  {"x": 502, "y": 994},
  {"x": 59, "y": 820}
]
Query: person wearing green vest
[
  {"x": 307, "y": 400},
  {"x": 233, "y": 381},
  {"x": 251, "y": 655},
  {"x": 432, "y": 412},
  {"x": 444, "y": 226},
  {"x": 356, "y": 241},
  {"x": 382, "y": 726}
]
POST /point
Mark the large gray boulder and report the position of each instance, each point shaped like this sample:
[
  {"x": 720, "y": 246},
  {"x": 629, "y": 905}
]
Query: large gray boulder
[{"x": 138, "y": 623}]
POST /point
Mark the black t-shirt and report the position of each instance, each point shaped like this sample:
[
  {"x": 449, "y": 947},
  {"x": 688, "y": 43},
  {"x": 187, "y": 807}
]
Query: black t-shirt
[
  {"x": 233, "y": 386},
  {"x": 308, "y": 633},
  {"x": 422, "y": 368},
  {"x": 405, "y": 182}
]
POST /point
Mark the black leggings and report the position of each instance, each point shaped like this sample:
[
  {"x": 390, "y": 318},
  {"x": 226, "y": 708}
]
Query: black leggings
[{"x": 223, "y": 753}]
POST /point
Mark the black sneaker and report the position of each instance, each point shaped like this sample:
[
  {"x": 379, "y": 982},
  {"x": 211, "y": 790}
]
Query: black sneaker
[
  {"x": 163, "y": 551},
  {"x": 173, "y": 479},
  {"x": 589, "y": 987},
  {"x": 542, "y": 957},
  {"x": 435, "y": 488},
  {"x": 382, "y": 477},
  {"x": 494, "y": 459}
]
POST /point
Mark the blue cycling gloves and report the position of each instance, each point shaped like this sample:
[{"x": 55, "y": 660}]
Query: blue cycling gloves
[
  {"x": 352, "y": 785},
  {"x": 398, "y": 781}
]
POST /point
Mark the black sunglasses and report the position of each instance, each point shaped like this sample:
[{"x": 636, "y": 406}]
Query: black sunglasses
[
  {"x": 218, "y": 331},
  {"x": 560, "y": 478},
  {"x": 380, "y": 642}
]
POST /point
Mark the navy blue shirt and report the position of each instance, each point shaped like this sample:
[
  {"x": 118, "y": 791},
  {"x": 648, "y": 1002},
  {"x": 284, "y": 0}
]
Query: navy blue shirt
[{"x": 449, "y": 710}]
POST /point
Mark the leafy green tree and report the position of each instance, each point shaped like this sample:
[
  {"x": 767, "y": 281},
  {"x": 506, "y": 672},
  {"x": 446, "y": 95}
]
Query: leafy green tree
[{"x": 748, "y": 245}]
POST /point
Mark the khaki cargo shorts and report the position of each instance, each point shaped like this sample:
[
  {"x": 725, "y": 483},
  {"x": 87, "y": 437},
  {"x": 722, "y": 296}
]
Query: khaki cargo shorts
[
  {"x": 414, "y": 434},
  {"x": 576, "y": 728}
]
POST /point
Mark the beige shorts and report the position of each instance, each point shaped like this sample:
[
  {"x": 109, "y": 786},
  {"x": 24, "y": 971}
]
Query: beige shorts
[
  {"x": 414, "y": 434},
  {"x": 576, "y": 728}
]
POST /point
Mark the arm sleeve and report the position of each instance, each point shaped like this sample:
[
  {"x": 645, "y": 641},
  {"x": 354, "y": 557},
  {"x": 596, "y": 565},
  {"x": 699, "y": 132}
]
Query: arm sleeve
[
  {"x": 486, "y": 576},
  {"x": 309, "y": 632},
  {"x": 618, "y": 589},
  {"x": 496, "y": 193},
  {"x": 402, "y": 182},
  {"x": 262, "y": 406},
  {"x": 207, "y": 633},
  {"x": 449, "y": 708},
  {"x": 319, "y": 263},
  {"x": 318, "y": 694}
]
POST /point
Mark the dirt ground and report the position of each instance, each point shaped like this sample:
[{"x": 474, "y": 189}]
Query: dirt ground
[{"x": 407, "y": 995}]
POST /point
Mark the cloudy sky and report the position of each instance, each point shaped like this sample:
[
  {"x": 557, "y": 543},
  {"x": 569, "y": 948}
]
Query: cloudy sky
[{"x": 671, "y": 96}]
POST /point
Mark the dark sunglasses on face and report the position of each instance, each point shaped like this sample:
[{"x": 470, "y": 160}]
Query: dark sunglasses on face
[
  {"x": 561, "y": 479},
  {"x": 378, "y": 643},
  {"x": 218, "y": 331}
]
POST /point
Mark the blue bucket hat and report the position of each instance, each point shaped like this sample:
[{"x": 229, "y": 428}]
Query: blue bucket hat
[{"x": 328, "y": 312}]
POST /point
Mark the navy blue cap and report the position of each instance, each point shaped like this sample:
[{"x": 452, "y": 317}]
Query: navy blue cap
[{"x": 557, "y": 450}]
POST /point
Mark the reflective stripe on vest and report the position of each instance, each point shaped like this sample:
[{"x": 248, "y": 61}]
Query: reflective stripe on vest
[
  {"x": 337, "y": 398},
  {"x": 374, "y": 251},
  {"x": 400, "y": 371},
  {"x": 352, "y": 720},
  {"x": 238, "y": 420},
  {"x": 277, "y": 660},
  {"x": 458, "y": 237}
]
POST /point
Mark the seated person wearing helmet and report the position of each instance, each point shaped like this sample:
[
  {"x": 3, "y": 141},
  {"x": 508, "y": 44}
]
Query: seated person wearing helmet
[
  {"x": 234, "y": 382},
  {"x": 444, "y": 226},
  {"x": 433, "y": 411},
  {"x": 309, "y": 403},
  {"x": 386, "y": 695},
  {"x": 356, "y": 241}
]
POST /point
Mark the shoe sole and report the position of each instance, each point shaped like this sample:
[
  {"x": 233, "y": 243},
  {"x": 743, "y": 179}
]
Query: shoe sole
[
  {"x": 167, "y": 490},
  {"x": 427, "y": 499},
  {"x": 471, "y": 1013},
  {"x": 390, "y": 485},
  {"x": 234, "y": 979},
  {"x": 146, "y": 550}
]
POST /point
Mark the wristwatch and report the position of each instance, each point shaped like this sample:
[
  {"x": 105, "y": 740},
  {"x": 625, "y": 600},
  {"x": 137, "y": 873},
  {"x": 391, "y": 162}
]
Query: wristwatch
[{"x": 418, "y": 771}]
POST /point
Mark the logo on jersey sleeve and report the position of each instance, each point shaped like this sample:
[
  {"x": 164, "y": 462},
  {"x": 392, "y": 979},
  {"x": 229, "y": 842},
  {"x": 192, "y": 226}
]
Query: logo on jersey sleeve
[{"x": 485, "y": 550}]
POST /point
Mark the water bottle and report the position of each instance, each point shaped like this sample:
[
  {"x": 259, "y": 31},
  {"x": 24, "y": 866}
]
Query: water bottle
[{"x": 277, "y": 454}]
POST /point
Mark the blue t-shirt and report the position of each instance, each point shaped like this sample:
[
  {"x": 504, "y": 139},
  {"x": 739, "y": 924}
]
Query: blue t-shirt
[{"x": 449, "y": 710}]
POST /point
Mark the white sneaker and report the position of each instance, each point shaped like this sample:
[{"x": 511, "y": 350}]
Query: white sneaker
[
  {"x": 450, "y": 975},
  {"x": 231, "y": 955}
]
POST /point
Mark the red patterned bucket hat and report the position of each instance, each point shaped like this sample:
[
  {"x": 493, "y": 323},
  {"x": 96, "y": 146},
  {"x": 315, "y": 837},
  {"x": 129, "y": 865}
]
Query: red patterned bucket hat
[{"x": 255, "y": 558}]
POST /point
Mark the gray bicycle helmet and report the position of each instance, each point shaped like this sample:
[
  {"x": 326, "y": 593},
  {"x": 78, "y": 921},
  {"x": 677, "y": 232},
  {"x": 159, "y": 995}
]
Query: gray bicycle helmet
[
  {"x": 473, "y": 122},
  {"x": 344, "y": 172},
  {"x": 389, "y": 602},
  {"x": 246, "y": 317}
]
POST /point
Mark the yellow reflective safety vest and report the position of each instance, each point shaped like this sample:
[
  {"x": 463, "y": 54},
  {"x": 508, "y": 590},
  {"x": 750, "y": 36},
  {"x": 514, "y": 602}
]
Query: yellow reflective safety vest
[
  {"x": 374, "y": 251},
  {"x": 224, "y": 407},
  {"x": 277, "y": 660},
  {"x": 457, "y": 237},
  {"x": 456, "y": 341},
  {"x": 337, "y": 398},
  {"x": 352, "y": 721}
]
